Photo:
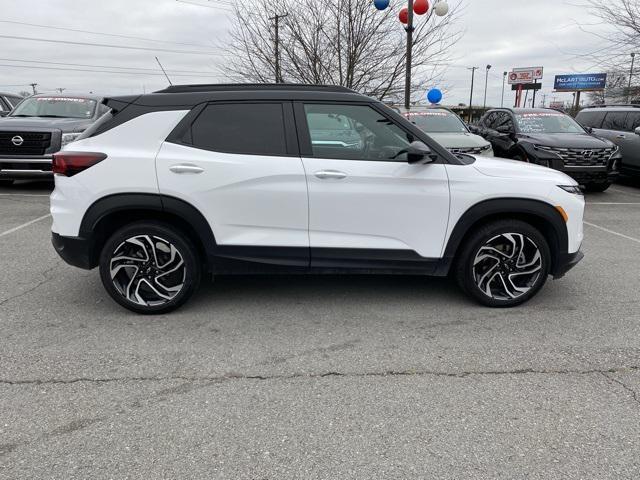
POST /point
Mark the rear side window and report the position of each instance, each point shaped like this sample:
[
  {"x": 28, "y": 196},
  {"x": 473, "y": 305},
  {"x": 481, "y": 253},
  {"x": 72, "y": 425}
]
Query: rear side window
[
  {"x": 615, "y": 121},
  {"x": 590, "y": 119},
  {"x": 248, "y": 128}
]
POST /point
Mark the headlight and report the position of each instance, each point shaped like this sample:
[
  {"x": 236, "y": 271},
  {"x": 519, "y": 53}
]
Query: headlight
[
  {"x": 67, "y": 138},
  {"x": 486, "y": 147},
  {"x": 575, "y": 189}
]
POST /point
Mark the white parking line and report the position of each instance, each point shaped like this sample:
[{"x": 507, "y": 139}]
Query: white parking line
[
  {"x": 637, "y": 240},
  {"x": 19, "y": 227},
  {"x": 613, "y": 203}
]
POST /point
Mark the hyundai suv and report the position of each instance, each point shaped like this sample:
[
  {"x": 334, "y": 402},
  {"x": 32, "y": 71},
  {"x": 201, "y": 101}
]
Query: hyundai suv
[
  {"x": 621, "y": 125},
  {"x": 38, "y": 127},
  {"x": 553, "y": 139},
  {"x": 448, "y": 129},
  {"x": 218, "y": 179}
]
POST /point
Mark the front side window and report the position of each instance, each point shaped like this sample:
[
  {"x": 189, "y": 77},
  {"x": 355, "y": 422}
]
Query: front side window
[
  {"x": 354, "y": 132},
  {"x": 590, "y": 119},
  {"x": 56, "y": 107},
  {"x": 503, "y": 122},
  {"x": 438, "y": 121},
  {"x": 633, "y": 121},
  {"x": 547, "y": 122},
  {"x": 249, "y": 128},
  {"x": 615, "y": 121},
  {"x": 14, "y": 100}
]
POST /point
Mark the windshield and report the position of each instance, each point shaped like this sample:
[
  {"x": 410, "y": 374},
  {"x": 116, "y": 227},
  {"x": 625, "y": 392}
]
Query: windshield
[
  {"x": 63, "y": 107},
  {"x": 438, "y": 121},
  {"x": 547, "y": 122}
]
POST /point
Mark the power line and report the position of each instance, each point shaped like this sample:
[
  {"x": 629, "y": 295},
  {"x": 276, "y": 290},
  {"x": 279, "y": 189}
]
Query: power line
[
  {"x": 206, "y": 6},
  {"x": 108, "y": 71},
  {"x": 107, "y": 45},
  {"x": 113, "y": 67},
  {"x": 51, "y": 27}
]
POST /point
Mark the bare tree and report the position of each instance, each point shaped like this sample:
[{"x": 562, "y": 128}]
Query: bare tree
[
  {"x": 339, "y": 42},
  {"x": 617, "y": 25}
]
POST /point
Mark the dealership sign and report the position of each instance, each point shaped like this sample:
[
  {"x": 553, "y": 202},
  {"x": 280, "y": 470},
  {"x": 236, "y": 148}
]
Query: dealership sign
[
  {"x": 525, "y": 75},
  {"x": 586, "y": 81}
]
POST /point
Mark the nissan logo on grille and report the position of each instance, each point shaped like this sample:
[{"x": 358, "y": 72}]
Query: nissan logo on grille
[
  {"x": 587, "y": 153},
  {"x": 17, "y": 140}
]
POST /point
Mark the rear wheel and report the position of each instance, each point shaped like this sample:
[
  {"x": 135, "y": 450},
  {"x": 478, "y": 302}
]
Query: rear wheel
[
  {"x": 149, "y": 267},
  {"x": 597, "y": 187},
  {"x": 504, "y": 263}
]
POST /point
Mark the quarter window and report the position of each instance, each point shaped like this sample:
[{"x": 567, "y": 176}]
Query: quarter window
[
  {"x": 590, "y": 119},
  {"x": 249, "y": 128},
  {"x": 354, "y": 132},
  {"x": 633, "y": 121}
]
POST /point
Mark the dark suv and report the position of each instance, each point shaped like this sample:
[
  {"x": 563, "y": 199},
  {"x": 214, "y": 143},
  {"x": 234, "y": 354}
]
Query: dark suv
[
  {"x": 621, "y": 125},
  {"x": 553, "y": 139},
  {"x": 38, "y": 127}
]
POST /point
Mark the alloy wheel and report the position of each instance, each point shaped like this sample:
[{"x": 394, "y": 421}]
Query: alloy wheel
[
  {"x": 507, "y": 266},
  {"x": 147, "y": 270}
]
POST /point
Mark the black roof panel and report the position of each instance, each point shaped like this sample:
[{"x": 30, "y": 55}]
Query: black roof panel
[{"x": 230, "y": 87}]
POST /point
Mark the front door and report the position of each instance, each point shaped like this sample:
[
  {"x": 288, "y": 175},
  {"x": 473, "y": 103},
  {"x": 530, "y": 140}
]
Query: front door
[{"x": 367, "y": 205}]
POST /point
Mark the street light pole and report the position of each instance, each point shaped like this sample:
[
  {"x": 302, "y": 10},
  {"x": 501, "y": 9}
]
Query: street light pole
[
  {"x": 276, "y": 46},
  {"x": 633, "y": 57},
  {"x": 504, "y": 77},
  {"x": 407, "y": 80},
  {"x": 486, "y": 81},
  {"x": 473, "y": 74}
]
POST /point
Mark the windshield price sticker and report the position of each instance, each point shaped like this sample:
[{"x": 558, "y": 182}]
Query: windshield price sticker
[
  {"x": 537, "y": 115},
  {"x": 61, "y": 99},
  {"x": 430, "y": 114}
]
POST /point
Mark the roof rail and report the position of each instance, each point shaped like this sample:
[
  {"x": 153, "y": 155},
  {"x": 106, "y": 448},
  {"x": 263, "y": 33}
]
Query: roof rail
[
  {"x": 633, "y": 105},
  {"x": 217, "y": 87}
]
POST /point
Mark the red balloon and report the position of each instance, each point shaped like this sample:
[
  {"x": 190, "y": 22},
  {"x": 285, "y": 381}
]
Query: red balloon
[
  {"x": 420, "y": 7},
  {"x": 404, "y": 15}
]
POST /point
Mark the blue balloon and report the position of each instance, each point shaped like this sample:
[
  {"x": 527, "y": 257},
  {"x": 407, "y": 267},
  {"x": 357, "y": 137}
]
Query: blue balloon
[
  {"x": 381, "y": 4},
  {"x": 434, "y": 95}
]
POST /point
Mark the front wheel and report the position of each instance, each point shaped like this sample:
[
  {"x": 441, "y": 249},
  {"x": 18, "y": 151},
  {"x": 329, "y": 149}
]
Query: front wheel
[
  {"x": 503, "y": 263},
  {"x": 149, "y": 267}
]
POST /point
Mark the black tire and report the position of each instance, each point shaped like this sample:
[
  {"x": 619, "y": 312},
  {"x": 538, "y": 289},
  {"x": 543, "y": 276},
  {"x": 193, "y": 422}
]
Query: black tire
[
  {"x": 597, "y": 187},
  {"x": 488, "y": 238},
  {"x": 174, "y": 258}
]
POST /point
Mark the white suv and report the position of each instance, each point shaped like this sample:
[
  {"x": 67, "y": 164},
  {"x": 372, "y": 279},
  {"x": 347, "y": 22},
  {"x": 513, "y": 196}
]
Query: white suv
[{"x": 221, "y": 179}]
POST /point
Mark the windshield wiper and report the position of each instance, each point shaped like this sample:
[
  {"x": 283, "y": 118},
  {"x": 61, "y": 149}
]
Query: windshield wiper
[{"x": 51, "y": 116}]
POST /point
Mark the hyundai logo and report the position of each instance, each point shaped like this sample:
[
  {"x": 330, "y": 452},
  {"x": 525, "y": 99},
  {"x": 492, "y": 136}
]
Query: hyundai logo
[
  {"x": 17, "y": 140},
  {"x": 587, "y": 153}
]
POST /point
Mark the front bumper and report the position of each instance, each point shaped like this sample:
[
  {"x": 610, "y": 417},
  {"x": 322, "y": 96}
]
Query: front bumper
[
  {"x": 565, "y": 263},
  {"x": 76, "y": 251},
  {"x": 16, "y": 168}
]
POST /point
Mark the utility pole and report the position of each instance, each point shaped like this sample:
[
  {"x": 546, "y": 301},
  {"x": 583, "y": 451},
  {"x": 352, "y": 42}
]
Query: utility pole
[
  {"x": 276, "y": 49},
  {"x": 486, "y": 81},
  {"x": 407, "y": 80},
  {"x": 473, "y": 74},
  {"x": 33, "y": 86},
  {"x": 504, "y": 77},
  {"x": 633, "y": 57}
]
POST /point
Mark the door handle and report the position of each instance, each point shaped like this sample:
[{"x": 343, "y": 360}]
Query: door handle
[
  {"x": 186, "y": 168},
  {"x": 328, "y": 174},
  {"x": 620, "y": 136}
]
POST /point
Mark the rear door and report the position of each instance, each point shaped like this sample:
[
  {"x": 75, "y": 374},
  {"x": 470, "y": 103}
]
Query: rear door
[
  {"x": 368, "y": 207},
  {"x": 238, "y": 163}
]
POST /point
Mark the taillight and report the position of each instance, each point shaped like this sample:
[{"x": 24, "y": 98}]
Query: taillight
[{"x": 70, "y": 163}]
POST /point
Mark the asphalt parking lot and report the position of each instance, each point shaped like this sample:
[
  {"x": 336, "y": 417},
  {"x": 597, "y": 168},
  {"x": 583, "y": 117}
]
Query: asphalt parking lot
[{"x": 320, "y": 377}]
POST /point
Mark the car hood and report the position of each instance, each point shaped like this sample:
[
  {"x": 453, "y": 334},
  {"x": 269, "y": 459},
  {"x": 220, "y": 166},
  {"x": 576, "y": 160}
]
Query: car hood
[
  {"x": 567, "y": 140},
  {"x": 458, "y": 139},
  {"x": 67, "y": 125},
  {"x": 501, "y": 167}
]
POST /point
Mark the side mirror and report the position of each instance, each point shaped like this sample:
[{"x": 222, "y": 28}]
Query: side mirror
[
  {"x": 419, "y": 153},
  {"x": 637, "y": 131}
]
